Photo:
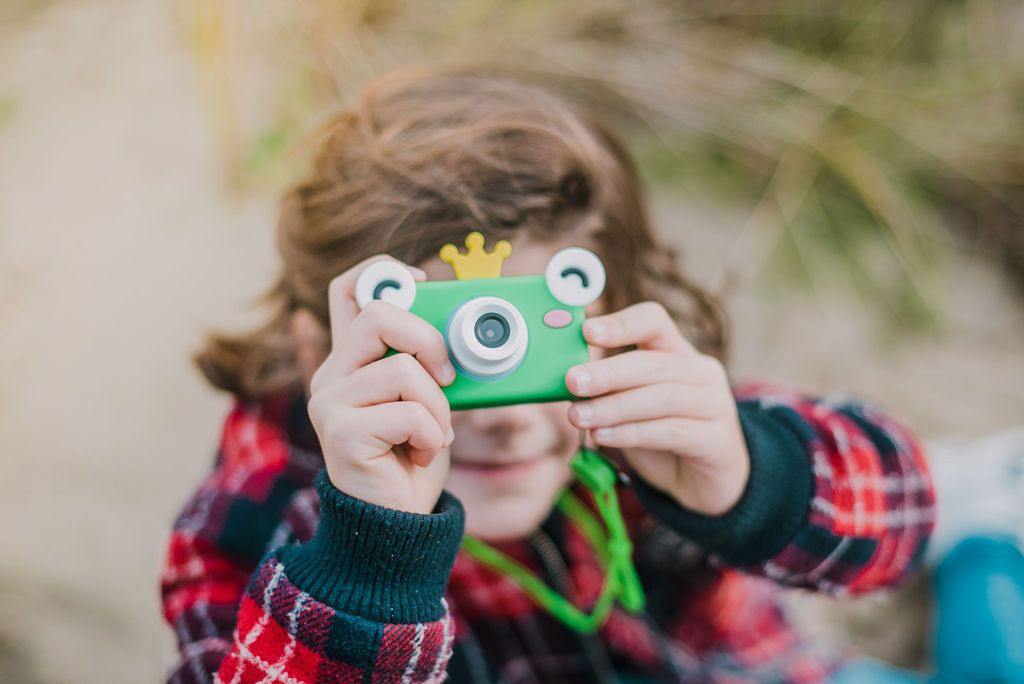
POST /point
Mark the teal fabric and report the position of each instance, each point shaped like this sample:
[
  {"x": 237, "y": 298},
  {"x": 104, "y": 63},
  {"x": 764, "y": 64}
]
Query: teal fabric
[
  {"x": 979, "y": 591},
  {"x": 979, "y": 635},
  {"x": 870, "y": 671},
  {"x": 374, "y": 562}
]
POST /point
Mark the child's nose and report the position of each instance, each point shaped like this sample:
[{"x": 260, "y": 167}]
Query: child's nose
[{"x": 505, "y": 419}]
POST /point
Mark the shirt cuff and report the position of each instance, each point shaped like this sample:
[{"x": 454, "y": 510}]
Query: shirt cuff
[
  {"x": 374, "y": 562},
  {"x": 774, "y": 505}
]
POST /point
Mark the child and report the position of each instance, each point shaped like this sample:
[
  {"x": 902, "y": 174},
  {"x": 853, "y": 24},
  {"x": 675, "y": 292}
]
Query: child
[{"x": 324, "y": 545}]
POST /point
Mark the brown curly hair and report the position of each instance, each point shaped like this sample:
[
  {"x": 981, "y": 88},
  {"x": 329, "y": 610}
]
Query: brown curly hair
[{"x": 425, "y": 157}]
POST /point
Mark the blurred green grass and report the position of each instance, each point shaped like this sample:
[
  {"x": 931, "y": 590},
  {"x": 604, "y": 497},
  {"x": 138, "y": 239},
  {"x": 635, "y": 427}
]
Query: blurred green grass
[
  {"x": 6, "y": 109},
  {"x": 861, "y": 141}
]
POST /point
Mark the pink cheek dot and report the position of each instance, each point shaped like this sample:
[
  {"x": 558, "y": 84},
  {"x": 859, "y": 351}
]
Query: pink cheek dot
[{"x": 557, "y": 318}]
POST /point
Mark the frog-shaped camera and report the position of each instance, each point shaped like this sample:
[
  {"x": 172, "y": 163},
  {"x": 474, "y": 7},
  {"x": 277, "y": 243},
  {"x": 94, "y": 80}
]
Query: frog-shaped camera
[{"x": 511, "y": 339}]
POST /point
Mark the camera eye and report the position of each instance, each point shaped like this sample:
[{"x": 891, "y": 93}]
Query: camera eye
[
  {"x": 492, "y": 330},
  {"x": 575, "y": 276},
  {"x": 388, "y": 281}
]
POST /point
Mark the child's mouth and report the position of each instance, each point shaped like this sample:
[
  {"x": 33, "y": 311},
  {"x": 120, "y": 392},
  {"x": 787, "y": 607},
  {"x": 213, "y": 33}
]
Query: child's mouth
[{"x": 496, "y": 469}]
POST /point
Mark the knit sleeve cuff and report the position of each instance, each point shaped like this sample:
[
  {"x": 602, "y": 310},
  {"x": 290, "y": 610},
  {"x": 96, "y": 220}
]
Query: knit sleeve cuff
[
  {"x": 773, "y": 507},
  {"x": 374, "y": 562}
]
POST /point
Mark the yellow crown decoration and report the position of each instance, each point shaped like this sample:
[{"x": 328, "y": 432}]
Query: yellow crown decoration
[{"x": 476, "y": 262}]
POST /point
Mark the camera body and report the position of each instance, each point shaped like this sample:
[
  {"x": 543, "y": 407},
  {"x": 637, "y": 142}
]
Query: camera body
[
  {"x": 477, "y": 316},
  {"x": 511, "y": 340}
]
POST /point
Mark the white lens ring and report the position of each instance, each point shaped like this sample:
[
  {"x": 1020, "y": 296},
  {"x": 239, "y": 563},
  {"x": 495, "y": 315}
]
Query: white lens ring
[
  {"x": 388, "y": 281},
  {"x": 575, "y": 276},
  {"x": 476, "y": 358}
]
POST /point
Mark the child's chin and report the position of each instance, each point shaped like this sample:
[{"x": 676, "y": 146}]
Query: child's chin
[
  {"x": 510, "y": 509},
  {"x": 504, "y": 520}
]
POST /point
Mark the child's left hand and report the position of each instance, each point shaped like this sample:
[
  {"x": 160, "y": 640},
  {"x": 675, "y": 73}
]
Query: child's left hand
[{"x": 668, "y": 407}]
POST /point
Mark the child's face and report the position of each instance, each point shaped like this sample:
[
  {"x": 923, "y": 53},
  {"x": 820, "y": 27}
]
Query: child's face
[{"x": 508, "y": 464}]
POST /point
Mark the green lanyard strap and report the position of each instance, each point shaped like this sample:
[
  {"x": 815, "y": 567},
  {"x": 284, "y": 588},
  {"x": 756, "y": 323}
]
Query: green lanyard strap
[{"x": 613, "y": 549}]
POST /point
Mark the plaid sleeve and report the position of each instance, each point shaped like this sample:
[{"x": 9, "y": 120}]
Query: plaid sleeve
[
  {"x": 211, "y": 554},
  {"x": 839, "y": 497},
  {"x": 364, "y": 596},
  {"x": 361, "y": 601}
]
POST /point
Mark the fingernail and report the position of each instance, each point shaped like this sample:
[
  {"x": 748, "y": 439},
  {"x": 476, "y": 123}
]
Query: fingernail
[
  {"x": 584, "y": 414},
  {"x": 604, "y": 434},
  {"x": 447, "y": 372},
  {"x": 582, "y": 380},
  {"x": 450, "y": 437},
  {"x": 596, "y": 329}
]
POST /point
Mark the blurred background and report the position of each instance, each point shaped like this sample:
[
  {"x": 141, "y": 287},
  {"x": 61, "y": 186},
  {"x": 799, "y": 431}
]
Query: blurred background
[{"x": 849, "y": 176}]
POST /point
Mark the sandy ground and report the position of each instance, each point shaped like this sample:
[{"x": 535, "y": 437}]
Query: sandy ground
[{"x": 119, "y": 244}]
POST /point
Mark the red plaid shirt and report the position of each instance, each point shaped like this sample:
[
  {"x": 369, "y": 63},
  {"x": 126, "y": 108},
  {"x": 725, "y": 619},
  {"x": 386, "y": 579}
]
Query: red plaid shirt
[{"x": 839, "y": 501}]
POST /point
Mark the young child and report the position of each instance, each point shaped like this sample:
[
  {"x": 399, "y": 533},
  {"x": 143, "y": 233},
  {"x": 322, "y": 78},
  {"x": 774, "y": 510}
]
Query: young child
[{"x": 324, "y": 545}]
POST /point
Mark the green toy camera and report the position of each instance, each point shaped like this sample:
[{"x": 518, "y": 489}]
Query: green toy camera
[{"x": 511, "y": 339}]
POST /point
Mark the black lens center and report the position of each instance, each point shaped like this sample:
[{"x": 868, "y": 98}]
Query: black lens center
[{"x": 492, "y": 330}]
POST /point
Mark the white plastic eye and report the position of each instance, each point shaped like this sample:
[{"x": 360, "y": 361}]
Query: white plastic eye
[
  {"x": 575, "y": 276},
  {"x": 389, "y": 281}
]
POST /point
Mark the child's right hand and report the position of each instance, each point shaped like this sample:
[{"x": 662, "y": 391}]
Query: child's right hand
[{"x": 383, "y": 422}]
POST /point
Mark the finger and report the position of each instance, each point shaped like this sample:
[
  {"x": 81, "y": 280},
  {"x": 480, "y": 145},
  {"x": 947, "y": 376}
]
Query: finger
[
  {"x": 381, "y": 326},
  {"x": 404, "y": 422},
  {"x": 639, "y": 368},
  {"x": 394, "y": 378},
  {"x": 661, "y": 434},
  {"x": 660, "y": 400},
  {"x": 341, "y": 295},
  {"x": 647, "y": 325}
]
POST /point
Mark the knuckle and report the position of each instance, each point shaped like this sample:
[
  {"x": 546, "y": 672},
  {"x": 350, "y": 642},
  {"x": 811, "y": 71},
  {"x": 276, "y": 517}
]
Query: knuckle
[
  {"x": 375, "y": 312},
  {"x": 404, "y": 364},
  {"x": 316, "y": 382},
  {"x": 433, "y": 438},
  {"x": 315, "y": 405},
  {"x": 323, "y": 376},
  {"x": 653, "y": 308},
  {"x": 316, "y": 413},
  {"x": 425, "y": 336},
  {"x": 408, "y": 374},
  {"x": 437, "y": 341},
  {"x": 439, "y": 405},
  {"x": 422, "y": 424},
  {"x": 418, "y": 414},
  {"x": 712, "y": 368},
  {"x": 337, "y": 286},
  {"x": 656, "y": 310}
]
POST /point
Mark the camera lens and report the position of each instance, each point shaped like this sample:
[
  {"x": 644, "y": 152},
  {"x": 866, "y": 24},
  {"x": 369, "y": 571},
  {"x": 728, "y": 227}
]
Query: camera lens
[
  {"x": 487, "y": 337},
  {"x": 492, "y": 330}
]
